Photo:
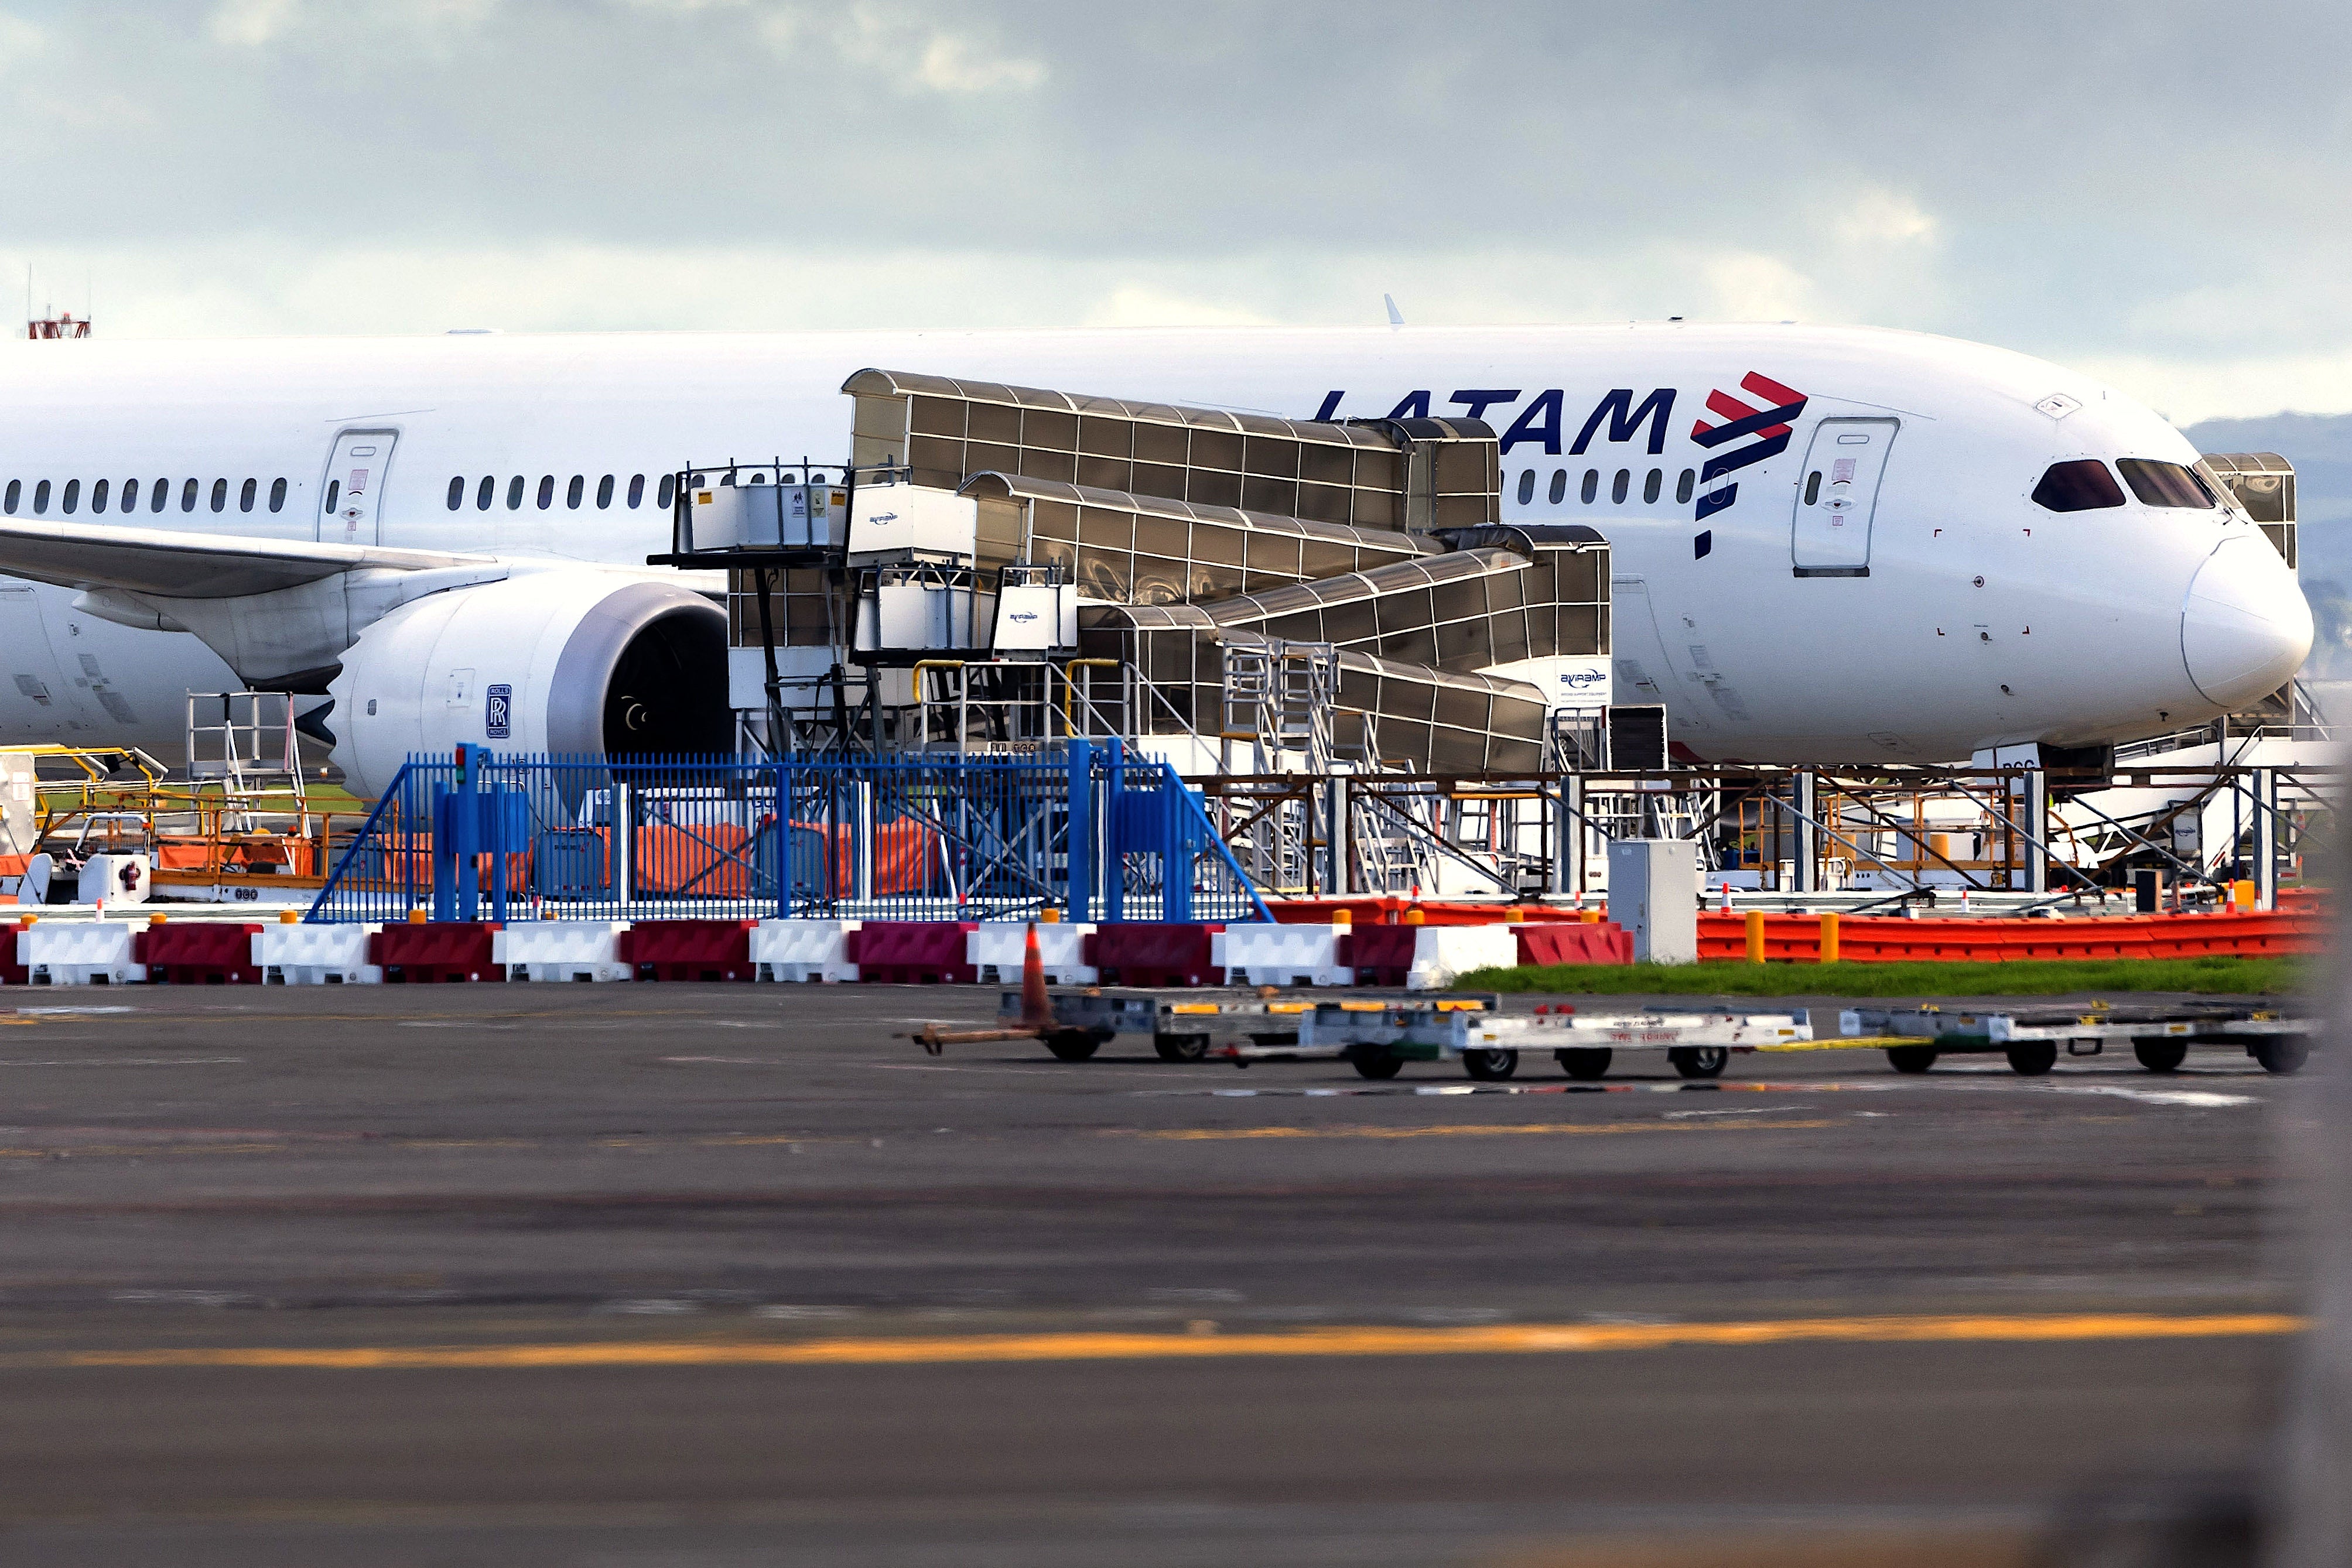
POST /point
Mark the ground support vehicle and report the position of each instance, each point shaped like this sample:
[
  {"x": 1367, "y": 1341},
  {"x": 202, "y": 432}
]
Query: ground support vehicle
[
  {"x": 2160, "y": 1035},
  {"x": 1378, "y": 1037},
  {"x": 1188, "y": 1024}
]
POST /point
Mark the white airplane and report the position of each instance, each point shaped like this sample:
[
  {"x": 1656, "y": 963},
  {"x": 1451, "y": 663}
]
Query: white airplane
[{"x": 1828, "y": 543}]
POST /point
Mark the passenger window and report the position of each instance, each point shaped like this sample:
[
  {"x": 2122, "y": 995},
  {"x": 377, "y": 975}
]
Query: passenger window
[
  {"x": 131, "y": 495},
  {"x": 98, "y": 495},
  {"x": 486, "y": 493},
  {"x": 41, "y": 499},
  {"x": 1559, "y": 486},
  {"x": 1650, "y": 485},
  {"x": 514, "y": 494},
  {"x": 1591, "y": 485},
  {"x": 668, "y": 482},
  {"x": 334, "y": 494},
  {"x": 546, "y": 491},
  {"x": 188, "y": 497},
  {"x": 1683, "y": 486},
  {"x": 572, "y": 493},
  {"x": 2082, "y": 485},
  {"x": 2164, "y": 483},
  {"x": 456, "y": 492},
  {"x": 277, "y": 494},
  {"x": 15, "y": 494},
  {"x": 603, "y": 492},
  {"x": 1618, "y": 486},
  {"x": 245, "y": 494},
  {"x": 1812, "y": 487},
  {"x": 637, "y": 490},
  {"x": 1526, "y": 486},
  {"x": 73, "y": 494},
  {"x": 220, "y": 495},
  {"x": 160, "y": 497}
]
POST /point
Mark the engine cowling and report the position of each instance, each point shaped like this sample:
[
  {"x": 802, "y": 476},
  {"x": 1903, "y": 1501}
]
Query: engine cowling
[{"x": 564, "y": 661}]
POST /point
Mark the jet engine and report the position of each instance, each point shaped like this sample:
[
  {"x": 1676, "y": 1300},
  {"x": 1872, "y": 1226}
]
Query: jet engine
[{"x": 562, "y": 661}]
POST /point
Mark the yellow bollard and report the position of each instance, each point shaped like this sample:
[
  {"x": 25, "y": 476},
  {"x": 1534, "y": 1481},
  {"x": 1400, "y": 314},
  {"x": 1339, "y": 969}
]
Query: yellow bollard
[
  {"x": 1590, "y": 916},
  {"x": 416, "y": 917},
  {"x": 1344, "y": 917},
  {"x": 289, "y": 917},
  {"x": 1515, "y": 915},
  {"x": 1755, "y": 935},
  {"x": 2242, "y": 893},
  {"x": 1049, "y": 917},
  {"x": 1415, "y": 917},
  {"x": 1828, "y": 936}
]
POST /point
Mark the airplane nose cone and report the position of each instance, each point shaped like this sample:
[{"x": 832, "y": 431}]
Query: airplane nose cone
[{"x": 2245, "y": 627}]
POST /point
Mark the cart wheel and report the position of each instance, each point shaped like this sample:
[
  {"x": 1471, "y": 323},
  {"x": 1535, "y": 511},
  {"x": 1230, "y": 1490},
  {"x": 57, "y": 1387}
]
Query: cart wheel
[
  {"x": 1700, "y": 1060},
  {"x": 1379, "y": 1066},
  {"x": 2161, "y": 1055},
  {"x": 2281, "y": 1054},
  {"x": 1181, "y": 1047},
  {"x": 1490, "y": 1066},
  {"x": 1586, "y": 1061},
  {"x": 1911, "y": 1058},
  {"x": 2033, "y": 1058},
  {"x": 1072, "y": 1044}
]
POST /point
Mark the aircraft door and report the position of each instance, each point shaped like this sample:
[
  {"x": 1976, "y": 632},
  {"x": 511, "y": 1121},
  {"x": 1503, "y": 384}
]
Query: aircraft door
[
  {"x": 351, "y": 502},
  {"x": 1836, "y": 493}
]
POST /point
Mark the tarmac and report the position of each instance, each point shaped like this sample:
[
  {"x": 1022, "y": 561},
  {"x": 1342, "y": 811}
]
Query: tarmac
[{"x": 720, "y": 1275}]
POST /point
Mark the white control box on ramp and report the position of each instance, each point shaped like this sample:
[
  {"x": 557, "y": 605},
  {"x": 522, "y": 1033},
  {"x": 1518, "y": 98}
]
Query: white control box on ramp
[{"x": 1654, "y": 894}]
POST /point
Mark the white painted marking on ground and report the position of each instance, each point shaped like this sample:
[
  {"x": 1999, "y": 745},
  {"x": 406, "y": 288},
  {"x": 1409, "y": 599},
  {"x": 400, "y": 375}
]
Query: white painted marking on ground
[
  {"x": 54, "y": 1012},
  {"x": 1744, "y": 1110},
  {"x": 126, "y": 1062},
  {"x": 2155, "y": 1096}
]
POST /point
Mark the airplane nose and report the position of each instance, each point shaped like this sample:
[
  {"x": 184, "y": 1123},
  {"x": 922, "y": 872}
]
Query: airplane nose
[{"x": 2245, "y": 627}]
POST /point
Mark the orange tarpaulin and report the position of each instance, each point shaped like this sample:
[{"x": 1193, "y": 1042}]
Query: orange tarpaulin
[
  {"x": 708, "y": 860},
  {"x": 905, "y": 853}
]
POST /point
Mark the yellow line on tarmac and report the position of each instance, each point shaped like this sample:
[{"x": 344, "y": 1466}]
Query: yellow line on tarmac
[
  {"x": 1518, "y": 1338},
  {"x": 1474, "y": 1130}
]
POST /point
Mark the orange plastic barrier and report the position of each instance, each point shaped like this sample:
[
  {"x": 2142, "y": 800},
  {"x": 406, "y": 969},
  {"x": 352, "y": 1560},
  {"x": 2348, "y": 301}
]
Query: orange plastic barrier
[
  {"x": 1388, "y": 909},
  {"x": 1879, "y": 939}
]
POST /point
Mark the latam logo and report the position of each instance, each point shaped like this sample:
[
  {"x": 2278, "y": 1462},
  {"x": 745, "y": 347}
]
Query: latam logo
[{"x": 1769, "y": 425}]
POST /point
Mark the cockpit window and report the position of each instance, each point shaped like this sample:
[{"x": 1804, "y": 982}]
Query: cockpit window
[
  {"x": 2164, "y": 483},
  {"x": 2082, "y": 485}
]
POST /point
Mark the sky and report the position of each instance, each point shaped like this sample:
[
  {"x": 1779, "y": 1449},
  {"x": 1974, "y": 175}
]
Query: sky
[{"x": 2152, "y": 192}]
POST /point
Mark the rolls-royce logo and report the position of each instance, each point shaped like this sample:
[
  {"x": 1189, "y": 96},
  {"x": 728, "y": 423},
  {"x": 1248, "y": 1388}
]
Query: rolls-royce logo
[{"x": 498, "y": 713}]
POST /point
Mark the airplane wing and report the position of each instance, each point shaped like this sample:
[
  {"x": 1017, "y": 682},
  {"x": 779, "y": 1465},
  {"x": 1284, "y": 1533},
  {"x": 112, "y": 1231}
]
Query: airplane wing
[{"x": 176, "y": 565}]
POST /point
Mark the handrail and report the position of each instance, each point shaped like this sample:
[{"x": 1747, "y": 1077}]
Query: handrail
[{"x": 1070, "y": 687}]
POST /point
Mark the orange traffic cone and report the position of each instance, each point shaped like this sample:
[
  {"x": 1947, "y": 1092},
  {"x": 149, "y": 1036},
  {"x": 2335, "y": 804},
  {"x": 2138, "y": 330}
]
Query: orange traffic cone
[{"x": 1037, "y": 1007}]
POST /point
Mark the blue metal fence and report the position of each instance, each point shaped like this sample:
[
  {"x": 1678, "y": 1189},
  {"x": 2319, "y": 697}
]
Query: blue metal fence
[{"x": 1091, "y": 830}]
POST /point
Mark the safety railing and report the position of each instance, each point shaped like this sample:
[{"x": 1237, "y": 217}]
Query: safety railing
[{"x": 1090, "y": 830}]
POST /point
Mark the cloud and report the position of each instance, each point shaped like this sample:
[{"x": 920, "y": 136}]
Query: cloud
[
  {"x": 252, "y": 23},
  {"x": 1883, "y": 217},
  {"x": 2007, "y": 173}
]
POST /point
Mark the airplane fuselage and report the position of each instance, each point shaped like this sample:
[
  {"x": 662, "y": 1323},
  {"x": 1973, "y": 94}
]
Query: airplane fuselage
[{"x": 1920, "y": 604}]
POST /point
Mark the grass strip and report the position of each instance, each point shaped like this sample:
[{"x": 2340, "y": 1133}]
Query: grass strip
[{"x": 2018, "y": 977}]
